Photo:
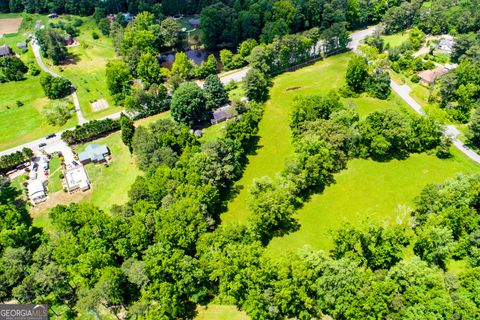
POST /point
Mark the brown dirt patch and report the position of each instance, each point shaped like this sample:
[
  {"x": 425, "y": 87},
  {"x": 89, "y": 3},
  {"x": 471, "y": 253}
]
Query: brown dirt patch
[
  {"x": 10, "y": 25},
  {"x": 59, "y": 198},
  {"x": 99, "y": 105}
]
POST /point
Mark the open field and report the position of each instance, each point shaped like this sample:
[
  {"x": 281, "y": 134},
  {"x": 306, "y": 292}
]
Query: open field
[
  {"x": 25, "y": 123},
  {"x": 274, "y": 131},
  {"x": 86, "y": 71},
  {"x": 217, "y": 312},
  {"x": 10, "y": 25},
  {"x": 395, "y": 40},
  {"x": 377, "y": 191}
]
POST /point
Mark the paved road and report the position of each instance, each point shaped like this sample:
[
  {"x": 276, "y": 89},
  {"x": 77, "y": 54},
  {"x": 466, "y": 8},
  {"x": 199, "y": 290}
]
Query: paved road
[
  {"x": 450, "y": 131},
  {"x": 358, "y": 36},
  {"x": 53, "y": 144},
  {"x": 404, "y": 93},
  {"x": 76, "y": 102}
]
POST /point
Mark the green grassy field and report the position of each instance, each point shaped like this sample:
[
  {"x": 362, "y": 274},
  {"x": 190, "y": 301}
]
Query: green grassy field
[
  {"x": 22, "y": 124},
  {"x": 217, "y": 312},
  {"x": 395, "y": 40},
  {"x": 54, "y": 180},
  {"x": 110, "y": 184},
  {"x": 274, "y": 131},
  {"x": 368, "y": 190},
  {"x": 87, "y": 71}
]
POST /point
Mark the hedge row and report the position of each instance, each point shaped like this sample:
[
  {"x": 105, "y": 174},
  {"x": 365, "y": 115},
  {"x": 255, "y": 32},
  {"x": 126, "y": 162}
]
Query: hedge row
[{"x": 90, "y": 131}]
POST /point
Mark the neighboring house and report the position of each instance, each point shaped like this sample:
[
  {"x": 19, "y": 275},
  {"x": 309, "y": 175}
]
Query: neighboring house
[
  {"x": 36, "y": 192},
  {"x": 69, "y": 40},
  {"x": 76, "y": 179},
  {"x": 6, "y": 51},
  {"x": 22, "y": 45},
  {"x": 446, "y": 44},
  {"x": 194, "y": 23},
  {"x": 222, "y": 114},
  {"x": 94, "y": 153},
  {"x": 428, "y": 77}
]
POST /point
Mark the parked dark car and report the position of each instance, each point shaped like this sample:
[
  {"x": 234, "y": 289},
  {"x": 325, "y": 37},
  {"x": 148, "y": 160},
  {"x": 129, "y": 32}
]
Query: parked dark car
[
  {"x": 51, "y": 135},
  {"x": 41, "y": 145}
]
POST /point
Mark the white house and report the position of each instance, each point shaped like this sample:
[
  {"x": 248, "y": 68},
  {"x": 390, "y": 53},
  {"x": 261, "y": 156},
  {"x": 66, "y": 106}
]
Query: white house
[{"x": 36, "y": 192}]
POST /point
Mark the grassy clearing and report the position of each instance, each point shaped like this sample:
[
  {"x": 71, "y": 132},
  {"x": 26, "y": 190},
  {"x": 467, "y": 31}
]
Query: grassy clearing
[
  {"x": 274, "y": 131},
  {"x": 377, "y": 191},
  {"x": 110, "y": 184},
  {"x": 26, "y": 123},
  {"x": 54, "y": 181},
  {"x": 87, "y": 71},
  {"x": 217, "y": 312},
  {"x": 395, "y": 40}
]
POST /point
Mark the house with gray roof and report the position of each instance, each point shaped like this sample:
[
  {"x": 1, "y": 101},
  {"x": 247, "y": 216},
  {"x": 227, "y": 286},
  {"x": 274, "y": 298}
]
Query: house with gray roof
[
  {"x": 223, "y": 114},
  {"x": 94, "y": 153},
  {"x": 6, "y": 51}
]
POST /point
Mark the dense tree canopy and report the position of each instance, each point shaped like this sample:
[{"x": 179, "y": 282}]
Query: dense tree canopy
[{"x": 189, "y": 105}]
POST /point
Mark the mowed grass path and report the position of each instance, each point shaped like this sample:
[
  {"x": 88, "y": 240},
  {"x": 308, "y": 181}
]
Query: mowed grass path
[
  {"x": 274, "y": 130},
  {"x": 368, "y": 190}
]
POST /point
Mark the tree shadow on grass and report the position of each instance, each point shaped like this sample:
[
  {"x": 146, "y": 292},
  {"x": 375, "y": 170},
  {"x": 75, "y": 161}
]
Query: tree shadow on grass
[{"x": 72, "y": 59}]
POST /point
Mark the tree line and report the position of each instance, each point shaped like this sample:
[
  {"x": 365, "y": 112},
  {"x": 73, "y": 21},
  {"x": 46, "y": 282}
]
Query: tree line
[
  {"x": 10, "y": 161},
  {"x": 162, "y": 253}
]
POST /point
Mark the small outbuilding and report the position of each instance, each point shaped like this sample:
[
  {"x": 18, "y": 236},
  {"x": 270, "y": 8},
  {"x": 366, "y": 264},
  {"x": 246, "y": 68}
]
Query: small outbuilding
[
  {"x": 94, "y": 153},
  {"x": 69, "y": 40},
  {"x": 36, "y": 192},
  {"x": 6, "y": 51}
]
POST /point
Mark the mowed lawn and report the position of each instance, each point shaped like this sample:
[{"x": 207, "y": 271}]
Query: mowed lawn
[
  {"x": 22, "y": 124},
  {"x": 275, "y": 136},
  {"x": 110, "y": 184},
  {"x": 87, "y": 70},
  {"x": 397, "y": 39},
  {"x": 218, "y": 312},
  {"x": 368, "y": 191},
  {"x": 25, "y": 123}
]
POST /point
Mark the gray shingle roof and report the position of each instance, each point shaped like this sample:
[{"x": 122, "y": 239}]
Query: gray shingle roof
[{"x": 93, "y": 152}]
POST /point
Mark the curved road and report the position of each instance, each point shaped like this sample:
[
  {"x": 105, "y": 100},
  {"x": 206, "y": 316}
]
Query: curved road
[
  {"x": 450, "y": 131},
  {"x": 38, "y": 57}
]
